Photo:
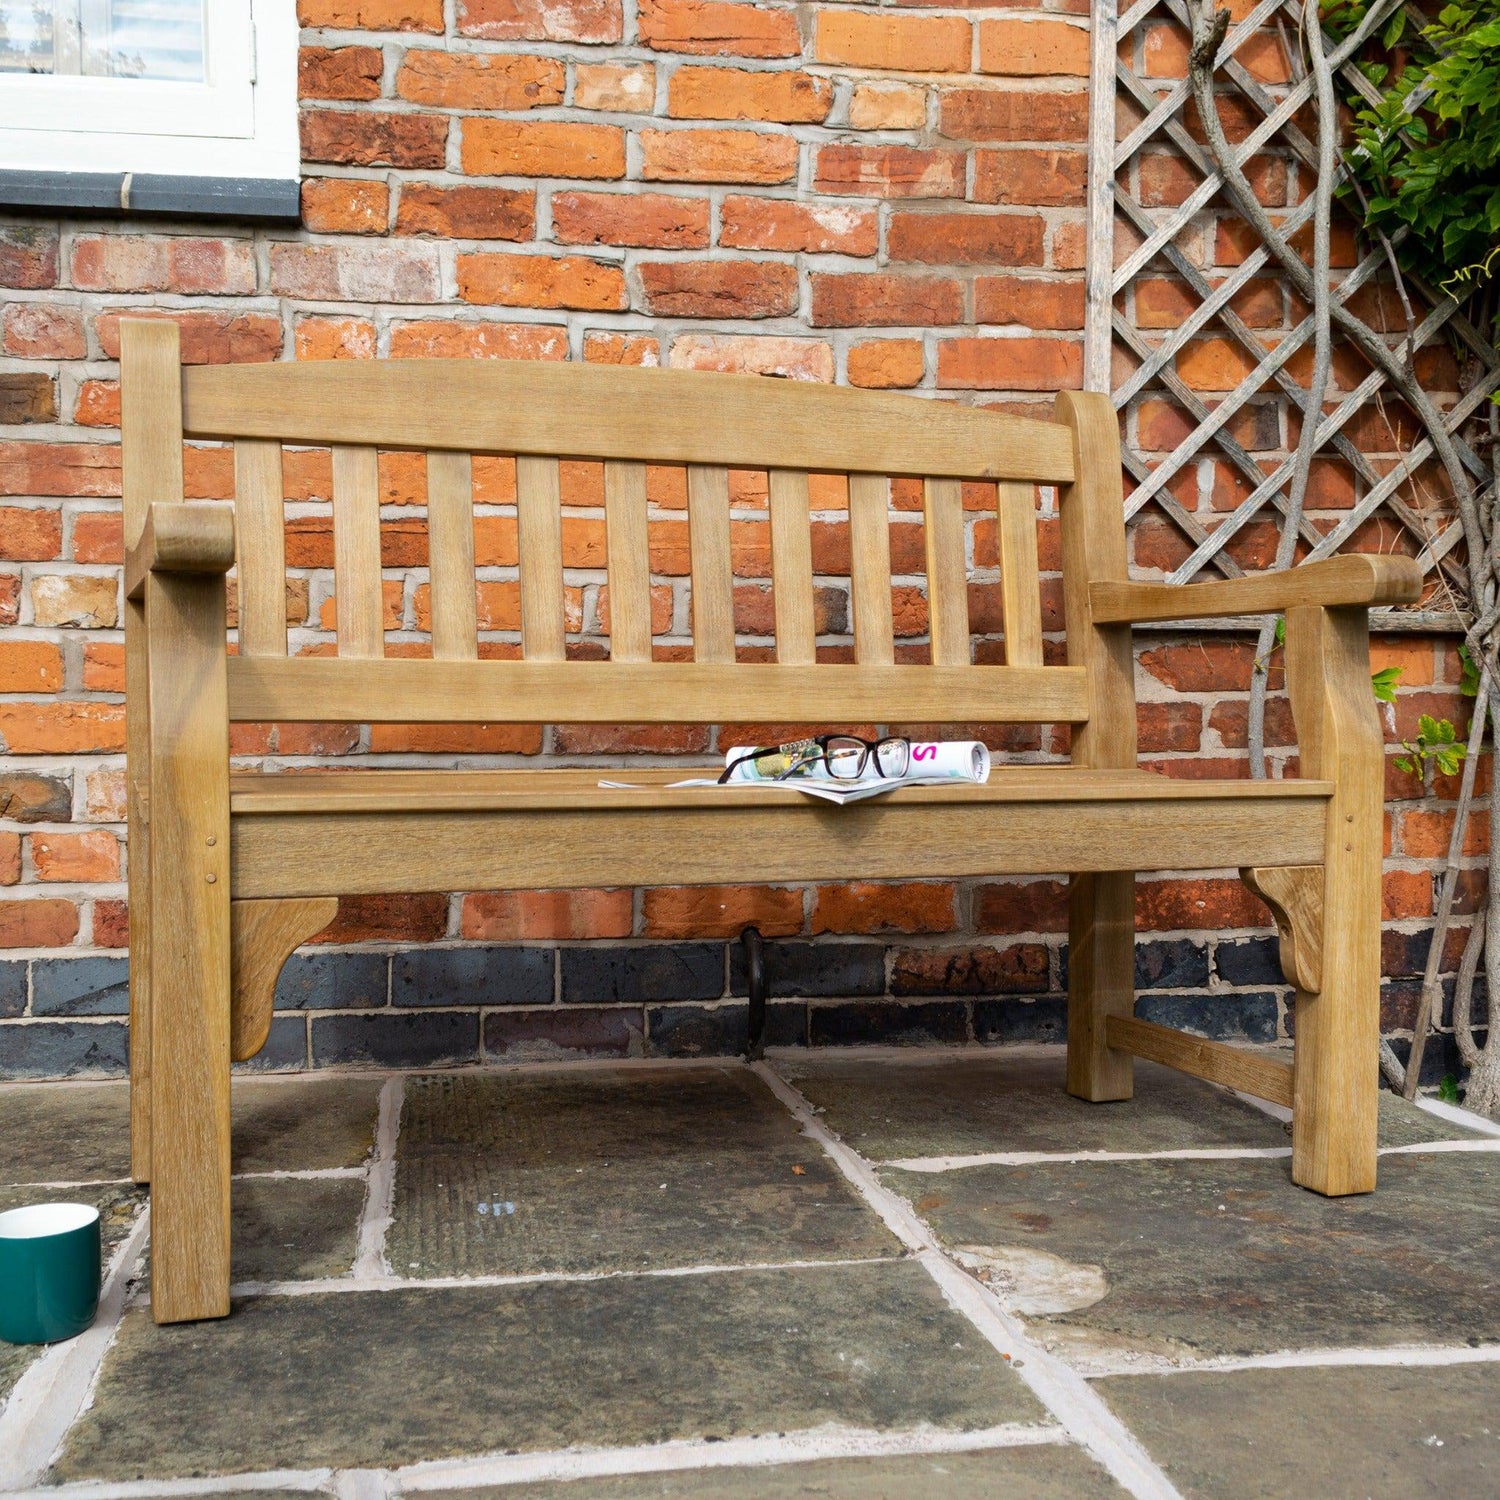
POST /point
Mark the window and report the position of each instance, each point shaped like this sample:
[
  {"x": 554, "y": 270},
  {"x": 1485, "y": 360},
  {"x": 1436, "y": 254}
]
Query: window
[{"x": 178, "y": 88}]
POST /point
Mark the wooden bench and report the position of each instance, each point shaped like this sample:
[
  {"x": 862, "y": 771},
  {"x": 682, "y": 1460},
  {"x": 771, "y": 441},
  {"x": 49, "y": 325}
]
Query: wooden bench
[{"x": 229, "y": 872}]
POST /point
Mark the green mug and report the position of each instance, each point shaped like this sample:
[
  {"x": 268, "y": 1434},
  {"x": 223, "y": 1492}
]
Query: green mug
[{"x": 51, "y": 1260}]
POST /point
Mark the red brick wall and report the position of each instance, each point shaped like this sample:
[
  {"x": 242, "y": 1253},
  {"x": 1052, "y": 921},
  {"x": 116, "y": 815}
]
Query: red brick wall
[{"x": 884, "y": 197}]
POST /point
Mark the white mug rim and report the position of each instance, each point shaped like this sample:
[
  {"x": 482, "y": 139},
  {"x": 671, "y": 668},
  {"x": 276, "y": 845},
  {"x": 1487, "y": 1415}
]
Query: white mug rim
[{"x": 40, "y": 1221}]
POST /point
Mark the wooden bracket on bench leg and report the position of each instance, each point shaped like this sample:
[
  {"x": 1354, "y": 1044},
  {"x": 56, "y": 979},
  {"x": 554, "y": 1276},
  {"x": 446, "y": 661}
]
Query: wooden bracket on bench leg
[
  {"x": 1295, "y": 895},
  {"x": 262, "y": 937}
]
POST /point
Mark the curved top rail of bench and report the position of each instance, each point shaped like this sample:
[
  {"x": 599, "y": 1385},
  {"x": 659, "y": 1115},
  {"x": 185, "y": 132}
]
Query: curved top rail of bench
[{"x": 602, "y": 412}]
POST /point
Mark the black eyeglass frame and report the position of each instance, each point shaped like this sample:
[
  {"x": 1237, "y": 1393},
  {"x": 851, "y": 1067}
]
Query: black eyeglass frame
[{"x": 821, "y": 743}]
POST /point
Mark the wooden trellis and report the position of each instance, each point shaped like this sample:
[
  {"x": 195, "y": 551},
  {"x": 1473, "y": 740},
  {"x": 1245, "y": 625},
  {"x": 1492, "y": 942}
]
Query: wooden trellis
[{"x": 1142, "y": 121}]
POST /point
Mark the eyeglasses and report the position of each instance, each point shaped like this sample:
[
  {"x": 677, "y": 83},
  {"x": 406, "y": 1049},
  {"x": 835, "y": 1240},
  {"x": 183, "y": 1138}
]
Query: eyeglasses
[{"x": 845, "y": 757}]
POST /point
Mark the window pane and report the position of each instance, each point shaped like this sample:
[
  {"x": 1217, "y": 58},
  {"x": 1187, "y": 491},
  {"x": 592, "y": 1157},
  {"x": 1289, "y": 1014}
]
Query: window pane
[{"x": 161, "y": 39}]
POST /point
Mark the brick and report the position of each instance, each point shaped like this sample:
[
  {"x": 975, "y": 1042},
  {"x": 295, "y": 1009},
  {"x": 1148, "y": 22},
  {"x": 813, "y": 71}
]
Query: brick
[
  {"x": 372, "y": 15},
  {"x": 887, "y": 364},
  {"x": 76, "y": 856},
  {"x": 890, "y": 171},
  {"x": 10, "y": 598},
  {"x": 660, "y": 971},
  {"x": 455, "y": 739},
  {"x": 717, "y": 289},
  {"x": 600, "y": 348},
  {"x": 989, "y": 114},
  {"x": 811, "y": 228},
  {"x": 874, "y": 299},
  {"x": 887, "y": 106},
  {"x": 530, "y": 916},
  {"x": 1034, "y": 906},
  {"x": 1027, "y": 49},
  {"x": 1021, "y": 364},
  {"x": 97, "y": 403},
  {"x": 30, "y": 535},
  {"x": 1252, "y": 961},
  {"x": 207, "y": 338},
  {"x": 140, "y": 263},
  {"x": 75, "y": 599},
  {"x": 1029, "y": 301},
  {"x": 28, "y": 256},
  {"x": 1174, "y": 965},
  {"x": 27, "y": 397},
  {"x": 626, "y": 88},
  {"x": 43, "y": 330},
  {"x": 735, "y": 94},
  {"x": 35, "y": 797},
  {"x": 30, "y": 667},
  {"x": 708, "y": 27},
  {"x": 104, "y": 667},
  {"x": 746, "y": 354},
  {"x": 879, "y": 1023},
  {"x": 459, "y": 340},
  {"x": 1213, "y": 364},
  {"x": 721, "y": 911},
  {"x": 473, "y": 976},
  {"x": 1205, "y": 666},
  {"x": 970, "y": 237},
  {"x": 369, "y": 138},
  {"x": 466, "y": 80},
  {"x": 426, "y": 1039},
  {"x": 339, "y": 72},
  {"x": 332, "y": 981},
  {"x": 658, "y": 221},
  {"x": 343, "y": 205},
  {"x": 1031, "y": 178},
  {"x": 999, "y": 1023},
  {"x": 590, "y": 21},
  {"x": 866, "y": 907},
  {"x": 541, "y": 281},
  {"x": 366, "y": 919},
  {"x": 907, "y": 44},
  {"x": 1242, "y": 1016},
  {"x": 467, "y": 213},
  {"x": 403, "y": 272},
  {"x": 542, "y": 148},
  {"x": 1190, "y": 905},
  {"x": 550, "y": 1035},
  {"x": 334, "y": 338},
  {"x": 987, "y": 970},
  {"x": 50, "y": 923},
  {"x": 717, "y": 156}
]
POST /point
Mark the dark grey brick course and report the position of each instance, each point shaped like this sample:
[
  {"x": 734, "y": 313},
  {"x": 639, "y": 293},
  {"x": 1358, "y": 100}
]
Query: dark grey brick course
[
  {"x": 881, "y": 1021},
  {"x": 514, "y": 1035},
  {"x": 285, "y": 1048},
  {"x": 997, "y": 1022},
  {"x": 412, "y": 1039},
  {"x": 332, "y": 981},
  {"x": 80, "y": 987},
  {"x": 1247, "y": 1016},
  {"x": 1171, "y": 964},
  {"x": 598, "y": 975},
  {"x": 61, "y": 1049},
  {"x": 719, "y": 1030},
  {"x": 12, "y": 987},
  {"x": 1249, "y": 961},
  {"x": 473, "y": 976},
  {"x": 815, "y": 970}
]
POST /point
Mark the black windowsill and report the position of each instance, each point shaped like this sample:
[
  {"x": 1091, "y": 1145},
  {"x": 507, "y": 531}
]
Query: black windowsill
[{"x": 151, "y": 194}]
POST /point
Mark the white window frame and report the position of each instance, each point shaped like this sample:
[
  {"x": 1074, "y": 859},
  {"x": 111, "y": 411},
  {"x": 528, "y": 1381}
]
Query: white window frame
[{"x": 240, "y": 122}]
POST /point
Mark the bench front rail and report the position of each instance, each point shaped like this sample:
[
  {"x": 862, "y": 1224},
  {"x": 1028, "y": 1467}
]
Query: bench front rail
[{"x": 229, "y": 872}]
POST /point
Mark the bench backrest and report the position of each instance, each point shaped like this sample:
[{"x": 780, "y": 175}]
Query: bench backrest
[{"x": 710, "y": 424}]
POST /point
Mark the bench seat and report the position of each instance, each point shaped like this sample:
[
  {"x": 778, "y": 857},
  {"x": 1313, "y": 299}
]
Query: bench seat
[{"x": 367, "y": 832}]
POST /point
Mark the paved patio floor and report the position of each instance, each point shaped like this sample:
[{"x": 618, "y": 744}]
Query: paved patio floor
[{"x": 851, "y": 1275}]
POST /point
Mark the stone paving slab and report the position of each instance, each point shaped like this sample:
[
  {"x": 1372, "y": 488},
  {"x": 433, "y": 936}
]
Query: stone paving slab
[
  {"x": 295, "y": 1230},
  {"x": 379, "y": 1379},
  {"x": 962, "y": 1105},
  {"x": 614, "y": 1170},
  {"x": 1369, "y": 1431},
  {"x": 1040, "y": 1471},
  {"x": 81, "y": 1132},
  {"x": 1403, "y": 1124},
  {"x": 1228, "y": 1257}
]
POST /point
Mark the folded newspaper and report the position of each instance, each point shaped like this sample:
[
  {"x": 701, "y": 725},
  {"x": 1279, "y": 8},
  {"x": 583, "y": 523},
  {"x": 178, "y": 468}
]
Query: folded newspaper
[{"x": 930, "y": 764}]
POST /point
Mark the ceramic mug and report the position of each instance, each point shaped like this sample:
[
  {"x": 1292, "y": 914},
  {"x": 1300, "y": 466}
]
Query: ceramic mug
[{"x": 51, "y": 1260}]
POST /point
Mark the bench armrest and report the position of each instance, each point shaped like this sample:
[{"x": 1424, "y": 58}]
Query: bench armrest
[
  {"x": 1355, "y": 579},
  {"x": 181, "y": 536}
]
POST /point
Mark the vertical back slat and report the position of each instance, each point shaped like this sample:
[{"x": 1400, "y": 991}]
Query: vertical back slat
[
  {"x": 947, "y": 573},
  {"x": 713, "y": 576},
  {"x": 356, "y": 552},
  {"x": 629, "y": 556},
  {"x": 260, "y": 547},
  {"x": 791, "y": 568},
  {"x": 870, "y": 568},
  {"x": 1020, "y": 586},
  {"x": 539, "y": 529},
  {"x": 450, "y": 555}
]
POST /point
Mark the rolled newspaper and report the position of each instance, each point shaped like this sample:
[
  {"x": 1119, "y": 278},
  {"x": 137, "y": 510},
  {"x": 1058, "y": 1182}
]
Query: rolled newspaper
[{"x": 943, "y": 760}]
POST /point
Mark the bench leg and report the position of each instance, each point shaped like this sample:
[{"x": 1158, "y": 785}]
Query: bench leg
[
  {"x": 190, "y": 953},
  {"x": 1101, "y": 982}
]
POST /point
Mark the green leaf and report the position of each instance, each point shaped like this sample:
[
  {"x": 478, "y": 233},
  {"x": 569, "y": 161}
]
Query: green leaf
[
  {"x": 1403, "y": 764},
  {"x": 1448, "y": 1089},
  {"x": 1280, "y": 636},
  {"x": 1383, "y": 683},
  {"x": 1468, "y": 683}
]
